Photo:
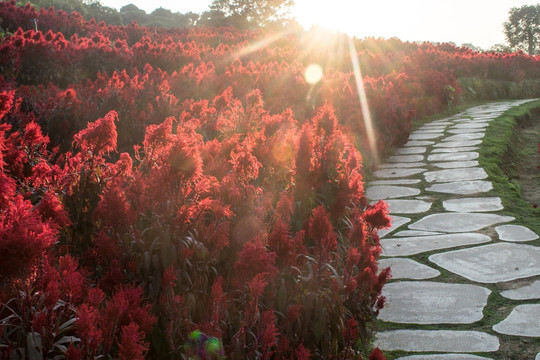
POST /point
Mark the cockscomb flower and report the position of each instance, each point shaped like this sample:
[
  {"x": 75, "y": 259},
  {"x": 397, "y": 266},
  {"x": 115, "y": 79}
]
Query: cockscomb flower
[
  {"x": 100, "y": 136},
  {"x": 376, "y": 215},
  {"x": 132, "y": 346}
]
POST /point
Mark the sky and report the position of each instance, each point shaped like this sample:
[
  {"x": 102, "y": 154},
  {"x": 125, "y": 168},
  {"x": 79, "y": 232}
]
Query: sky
[{"x": 477, "y": 22}]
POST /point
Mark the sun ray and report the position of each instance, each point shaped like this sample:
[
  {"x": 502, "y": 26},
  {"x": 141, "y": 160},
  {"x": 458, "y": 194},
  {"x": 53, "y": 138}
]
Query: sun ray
[{"x": 363, "y": 102}]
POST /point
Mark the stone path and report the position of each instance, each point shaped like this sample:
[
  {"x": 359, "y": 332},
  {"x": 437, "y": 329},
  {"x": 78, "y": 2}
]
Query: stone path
[{"x": 452, "y": 249}]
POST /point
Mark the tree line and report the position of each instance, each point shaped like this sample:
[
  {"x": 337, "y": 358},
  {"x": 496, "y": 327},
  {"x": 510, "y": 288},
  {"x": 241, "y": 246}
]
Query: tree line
[{"x": 522, "y": 29}]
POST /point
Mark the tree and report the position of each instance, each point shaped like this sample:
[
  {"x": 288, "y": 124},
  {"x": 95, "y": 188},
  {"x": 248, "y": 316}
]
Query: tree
[
  {"x": 522, "y": 29},
  {"x": 253, "y": 13},
  {"x": 131, "y": 13}
]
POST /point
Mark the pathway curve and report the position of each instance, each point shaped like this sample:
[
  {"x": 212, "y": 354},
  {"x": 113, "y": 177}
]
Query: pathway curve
[{"x": 455, "y": 256}]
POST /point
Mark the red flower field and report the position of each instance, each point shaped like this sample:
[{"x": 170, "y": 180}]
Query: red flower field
[{"x": 186, "y": 193}]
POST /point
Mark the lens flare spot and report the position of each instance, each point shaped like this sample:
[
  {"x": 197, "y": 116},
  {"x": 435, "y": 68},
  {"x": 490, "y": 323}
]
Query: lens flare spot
[{"x": 313, "y": 74}]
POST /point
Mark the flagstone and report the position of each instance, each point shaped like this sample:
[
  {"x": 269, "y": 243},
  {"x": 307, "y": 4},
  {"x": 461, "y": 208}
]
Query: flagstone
[
  {"x": 408, "y": 269},
  {"x": 455, "y": 156},
  {"x": 457, "y": 149},
  {"x": 424, "y": 136},
  {"x": 439, "y": 122},
  {"x": 439, "y": 127},
  {"x": 464, "y": 137},
  {"x": 405, "y": 158},
  {"x": 411, "y": 150},
  {"x": 381, "y": 192},
  {"x": 455, "y": 144},
  {"x": 419, "y": 143},
  {"x": 522, "y": 321},
  {"x": 472, "y": 125},
  {"x": 466, "y": 131},
  {"x": 475, "y": 204},
  {"x": 396, "y": 221},
  {"x": 527, "y": 292},
  {"x": 444, "y": 357},
  {"x": 462, "y": 187},
  {"x": 411, "y": 233},
  {"x": 402, "y": 165},
  {"x": 430, "y": 130},
  {"x": 458, "y": 222},
  {"x": 398, "y": 172},
  {"x": 405, "y": 246},
  {"x": 428, "y": 302},
  {"x": 458, "y": 174},
  {"x": 408, "y": 206},
  {"x": 515, "y": 233},
  {"x": 456, "y": 164},
  {"x": 437, "y": 341},
  {"x": 395, "y": 182},
  {"x": 492, "y": 263}
]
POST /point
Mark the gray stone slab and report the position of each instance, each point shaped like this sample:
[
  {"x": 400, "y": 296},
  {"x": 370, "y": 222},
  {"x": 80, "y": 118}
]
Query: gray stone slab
[
  {"x": 419, "y": 143},
  {"x": 458, "y": 222},
  {"x": 515, "y": 233},
  {"x": 405, "y": 246},
  {"x": 402, "y": 165},
  {"x": 381, "y": 192},
  {"x": 475, "y": 204},
  {"x": 395, "y": 182},
  {"x": 437, "y": 127},
  {"x": 411, "y": 150},
  {"x": 406, "y": 158},
  {"x": 437, "y": 341},
  {"x": 408, "y": 206},
  {"x": 457, "y": 149},
  {"x": 455, "y": 144},
  {"x": 492, "y": 263},
  {"x": 524, "y": 320},
  {"x": 462, "y": 187},
  {"x": 430, "y": 130},
  {"x": 425, "y": 136},
  {"x": 527, "y": 292},
  {"x": 454, "y": 156},
  {"x": 464, "y": 137},
  {"x": 397, "y": 172},
  {"x": 465, "y": 131},
  {"x": 428, "y": 302},
  {"x": 459, "y": 174},
  {"x": 397, "y": 221},
  {"x": 456, "y": 164},
  {"x": 415, "y": 233},
  {"x": 444, "y": 357},
  {"x": 471, "y": 125},
  {"x": 408, "y": 269}
]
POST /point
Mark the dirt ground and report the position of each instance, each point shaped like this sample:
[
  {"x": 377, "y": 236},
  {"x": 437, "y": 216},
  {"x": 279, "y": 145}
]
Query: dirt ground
[{"x": 528, "y": 166}]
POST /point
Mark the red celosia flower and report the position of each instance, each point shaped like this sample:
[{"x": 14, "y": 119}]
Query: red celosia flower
[
  {"x": 33, "y": 137},
  {"x": 253, "y": 259},
  {"x": 321, "y": 230},
  {"x": 6, "y": 102},
  {"x": 301, "y": 353},
  {"x": 114, "y": 209},
  {"x": 293, "y": 312},
  {"x": 23, "y": 237},
  {"x": 100, "y": 136},
  {"x": 158, "y": 135},
  {"x": 7, "y": 190},
  {"x": 50, "y": 208},
  {"x": 377, "y": 354},
  {"x": 132, "y": 346},
  {"x": 326, "y": 119},
  {"x": 376, "y": 215},
  {"x": 270, "y": 333}
]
